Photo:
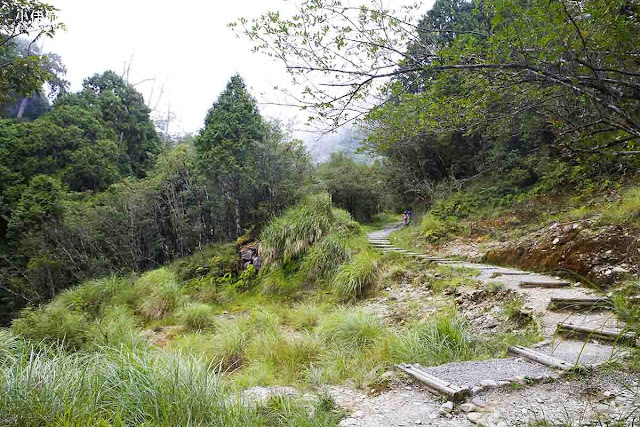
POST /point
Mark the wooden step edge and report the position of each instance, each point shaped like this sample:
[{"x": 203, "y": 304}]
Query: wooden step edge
[
  {"x": 608, "y": 334},
  {"x": 542, "y": 358},
  {"x": 580, "y": 303},
  {"x": 435, "y": 384},
  {"x": 544, "y": 284}
]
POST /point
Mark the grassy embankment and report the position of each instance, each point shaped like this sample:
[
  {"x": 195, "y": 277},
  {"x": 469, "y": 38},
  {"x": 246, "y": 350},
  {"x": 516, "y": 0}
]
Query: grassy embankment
[{"x": 174, "y": 344}]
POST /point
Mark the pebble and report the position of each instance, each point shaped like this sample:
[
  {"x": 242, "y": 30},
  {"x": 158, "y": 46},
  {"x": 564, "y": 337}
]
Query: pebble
[
  {"x": 447, "y": 407},
  {"x": 468, "y": 407},
  {"x": 476, "y": 418},
  {"x": 478, "y": 401},
  {"x": 604, "y": 408},
  {"x": 476, "y": 390}
]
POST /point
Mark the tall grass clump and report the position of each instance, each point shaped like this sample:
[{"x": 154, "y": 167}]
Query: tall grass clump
[
  {"x": 445, "y": 339},
  {"x": 129, "y": 387},
  {"x": 325, "y": 257},
  {"x": 293, "y": 233},
  {"x": 626, "y": 211},
  {"x": 289, "y": 235},
  {"x": 91, "y": 296},
  {"x": 160, "y": 294},
  {"x": 53, "y": 323},
  {"x": 359, "y": 276},
  {"x": 196, "y": 316},
  {"x": 116, "y": 327},
  {"x": 352, "y": 328}
]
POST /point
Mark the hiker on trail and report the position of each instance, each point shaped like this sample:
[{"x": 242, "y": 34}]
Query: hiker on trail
[
  {"x": 410, "y": 213},
  {"x": 405, "y": 218}
]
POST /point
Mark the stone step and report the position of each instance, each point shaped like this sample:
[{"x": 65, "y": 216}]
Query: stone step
[
  {"x": 602, "y": 333},
  {"x": 535, "y": 283},
  {"x": 580, "y": 303},
  {"x": 511, "y": 273}
]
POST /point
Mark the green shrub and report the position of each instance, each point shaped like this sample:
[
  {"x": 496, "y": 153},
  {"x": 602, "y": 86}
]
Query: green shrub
[
  {"x": 213, "y": 261},
  {"x": 160, "y": 294},
  {"x": 230, "y": 344},
  {"x": 352, "y": 328},
  {"x": 432, "y": 229},
  {"x": 444, "y": 339},
  {"x": 357, "y": 277},
  {"x": 196, "y": 316},
  {"x": 55, "y": 323}
]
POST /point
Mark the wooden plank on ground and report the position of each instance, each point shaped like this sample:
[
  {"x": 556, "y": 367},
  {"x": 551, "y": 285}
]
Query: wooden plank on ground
[
  {"x": 544, "y": 283},
  {"x": 609, "y": 334},
  {"x": 541, "y": 358},
  {"x": 580, "y": 303},
  {"x": 435, "y": 384}
]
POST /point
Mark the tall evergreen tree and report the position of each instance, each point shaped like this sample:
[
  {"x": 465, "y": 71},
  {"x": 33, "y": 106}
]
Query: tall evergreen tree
[{"x": 227, "y": 145}]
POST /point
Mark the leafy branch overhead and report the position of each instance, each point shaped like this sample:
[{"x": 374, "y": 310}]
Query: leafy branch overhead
[
  {"x": 573, "y": 65},
  {"x": 23, "y": 71}
]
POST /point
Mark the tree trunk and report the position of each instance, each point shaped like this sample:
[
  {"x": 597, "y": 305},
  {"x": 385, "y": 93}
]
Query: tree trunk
[
  {"x": 236, "y": 207},
  {"x": 21, "y": 108}
]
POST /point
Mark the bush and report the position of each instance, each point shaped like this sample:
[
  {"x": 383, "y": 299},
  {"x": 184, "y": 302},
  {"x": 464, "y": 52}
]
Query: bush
[
  {"x": 433, "y": 229},
  {"x": 230, "y": 344},
  {"x": 214, "y": 261},
  {"x": 358, "y": 276},
  {"x": 352, "y": 328},
  {"x": 275, "y": 281},
  {"x": 305, "y": 316},
  {"x": 445, "y": 339},
  {"x": 196, "y": 316}
]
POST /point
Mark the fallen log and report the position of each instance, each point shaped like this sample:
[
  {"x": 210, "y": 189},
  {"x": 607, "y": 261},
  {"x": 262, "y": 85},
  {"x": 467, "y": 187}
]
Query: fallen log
[
  {"x": 608, "y": 334},
  {"x": 541, "y": 358},
  {"x": 435, "y": 384}
]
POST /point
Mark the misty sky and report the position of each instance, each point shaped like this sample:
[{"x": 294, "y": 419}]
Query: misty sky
[{"x": 186, "y": 46}]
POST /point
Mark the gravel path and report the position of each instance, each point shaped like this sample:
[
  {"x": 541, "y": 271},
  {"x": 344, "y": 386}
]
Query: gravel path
[
  {"x": 586, "y": 353},
  {"x": 472, "y": 373}
]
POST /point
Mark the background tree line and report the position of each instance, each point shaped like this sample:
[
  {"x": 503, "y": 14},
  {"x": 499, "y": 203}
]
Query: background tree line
[{"x": 88, "y": 188}]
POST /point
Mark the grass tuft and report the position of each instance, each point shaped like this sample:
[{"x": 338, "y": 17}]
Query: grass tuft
[
  {"x": 196, "y": 316},
  {"x": 358, "y": 277},
  {"x": 352, "y": 328},
  {"x": 445, "y": 339},
  {"x": 161, "y": 294}
]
